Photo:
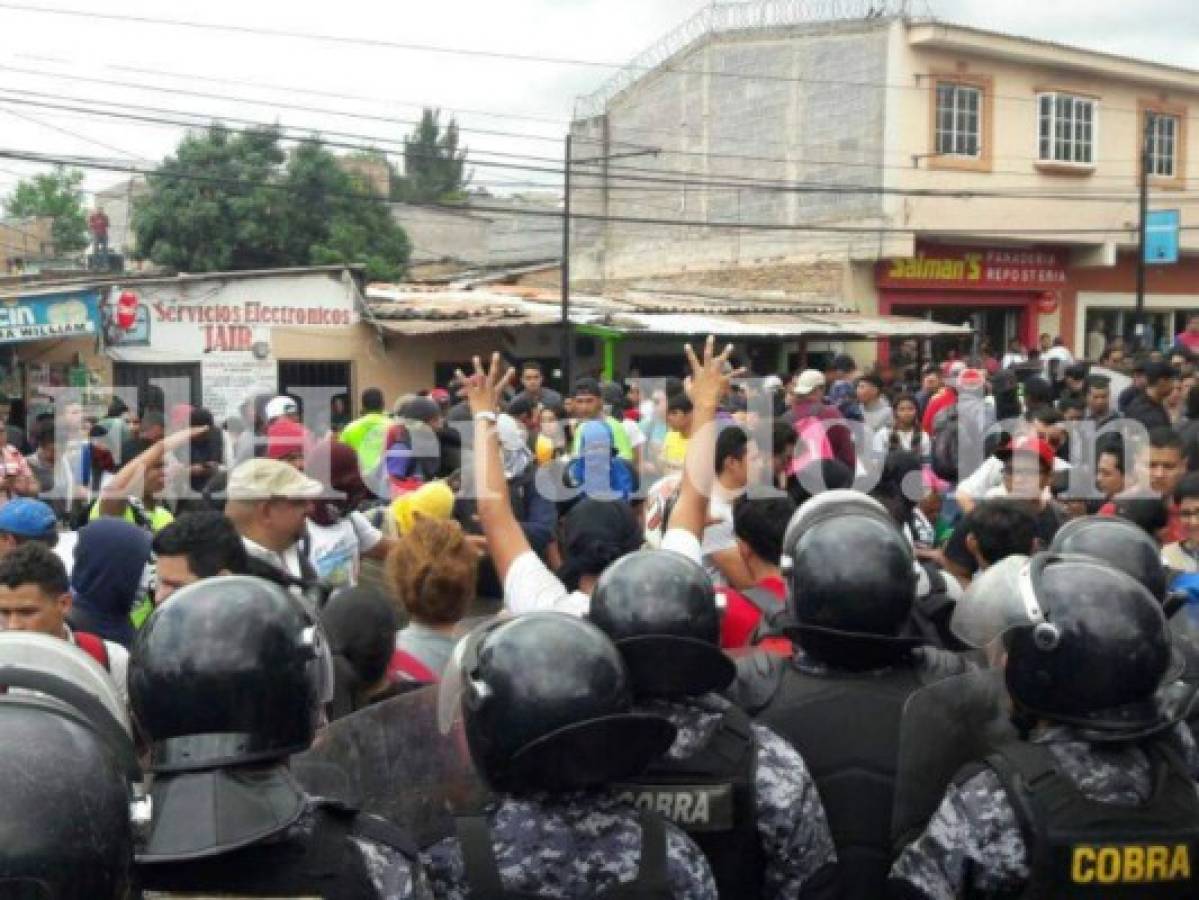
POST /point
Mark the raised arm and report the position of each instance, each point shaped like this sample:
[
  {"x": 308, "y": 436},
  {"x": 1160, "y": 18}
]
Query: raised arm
[
  {"x": 709, "y": 382},
  {"x": 505, "y": 538}
]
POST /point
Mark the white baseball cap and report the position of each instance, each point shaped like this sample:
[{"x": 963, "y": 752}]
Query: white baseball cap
[
  {"x": 264, "y": 479},
  {"x": 808, "y": 381},
  {"x": 280, "y": 406}
]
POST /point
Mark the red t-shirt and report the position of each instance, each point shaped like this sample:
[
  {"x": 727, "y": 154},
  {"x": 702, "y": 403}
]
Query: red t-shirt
[
  {"x": 741, "y": 617},
  {"x": 943, "y": 399},
  {"x": 1188, "y": 339},
  {"x": 1174, "y": 528}
]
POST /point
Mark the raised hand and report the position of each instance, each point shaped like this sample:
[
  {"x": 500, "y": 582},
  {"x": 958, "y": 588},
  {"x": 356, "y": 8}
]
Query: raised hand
[
  {"x": 482, "y": 389},
  {"x": 712, "y": 376}
]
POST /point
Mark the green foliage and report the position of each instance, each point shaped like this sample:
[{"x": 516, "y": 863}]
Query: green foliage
[
  {"x": 55, "y": 195},
  {"x": 236, "y": 200},
  {"x": 434, "y": 166}
]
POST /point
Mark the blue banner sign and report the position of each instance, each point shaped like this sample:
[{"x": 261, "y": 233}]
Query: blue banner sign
[
  {"x": 1161, "y": 236},
  {"x": 49, "y": 316}
]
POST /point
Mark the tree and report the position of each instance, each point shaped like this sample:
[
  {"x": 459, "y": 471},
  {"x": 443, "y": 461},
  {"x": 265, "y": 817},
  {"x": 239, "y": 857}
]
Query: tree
[
  {"x": 236, "y": 200},
  {"x": 334, "y": 217},
  {"x": 434, "y": 167},
  {"x": 55, "y": 195}
]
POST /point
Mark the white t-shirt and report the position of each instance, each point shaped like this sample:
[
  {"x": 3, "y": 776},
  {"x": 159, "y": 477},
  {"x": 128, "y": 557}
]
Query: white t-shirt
[
  {"x": 288, "y": 560},
  {"x": 990, "y": 475},
  {"x": 531, "y": 587},
  {"x": 65, "y": 548},
  {"x": 118, "y": 666},
  {"x": 335, "y": 551},
  {"x": 718, "y": 536},
  {"x": 882, "y": 441},
  {"x": 633, "y": 430},
  {"x": 1061, "y": 355}
]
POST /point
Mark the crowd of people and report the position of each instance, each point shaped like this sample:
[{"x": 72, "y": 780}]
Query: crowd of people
[{"x": 918, "y": 630}]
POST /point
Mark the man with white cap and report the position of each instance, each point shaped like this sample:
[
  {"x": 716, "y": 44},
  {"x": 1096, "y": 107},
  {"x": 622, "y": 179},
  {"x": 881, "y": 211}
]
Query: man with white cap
[
  {"x": 278, "y": 407},
  {"x": 268, "y": 503},
  {"x": 810, "y": 415}
]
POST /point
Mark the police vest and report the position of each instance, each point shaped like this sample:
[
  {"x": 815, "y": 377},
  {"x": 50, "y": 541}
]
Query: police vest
[
  {"x": 319, "y": 862},
  {"x": 711, "y": 796},
  {"x": 846, "y": 727},
  {"x": 483, "y": 874},
  {"x": 1081, "y": 848}
]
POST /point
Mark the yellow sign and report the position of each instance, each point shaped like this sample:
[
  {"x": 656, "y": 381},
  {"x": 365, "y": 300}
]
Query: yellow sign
[
  {"x": 926, "y": 268},
  {"x": 1130, "y": 864}
]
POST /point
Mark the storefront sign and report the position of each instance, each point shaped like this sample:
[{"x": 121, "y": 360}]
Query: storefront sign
[
  {"x": 225, "y": 324},
  {"x": 233, "y": 319},
  {"x": 49, "y": 316},
  {"x": 971, "y": 268}
]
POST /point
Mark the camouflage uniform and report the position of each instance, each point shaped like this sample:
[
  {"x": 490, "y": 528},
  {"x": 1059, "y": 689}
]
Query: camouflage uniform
[
  {"x": 568, "y": 846},
  {"x": 974, "y": 844},
  {"x": 791, "y": 822}
]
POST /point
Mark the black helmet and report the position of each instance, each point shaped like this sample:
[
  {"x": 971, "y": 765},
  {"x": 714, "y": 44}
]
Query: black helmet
[
  {"x": 660, "y": 609},
  {"x": 838, "y": 502},
  {"x": 65, "y": 829},
  {"x": 1118, "y": 543},
  {"x": 547, "y": 706},
  {"x": 852, "y": 575},
  {"x": 1091, "y": 648},
  {"x": 229, "y": 670}
]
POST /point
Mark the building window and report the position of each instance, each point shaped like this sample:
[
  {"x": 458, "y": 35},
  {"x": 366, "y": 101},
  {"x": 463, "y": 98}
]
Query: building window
[
  {"x": 1162, "y": 134},
  {"x": 959, "y": 119},
  {"x": 1067, "y": 129}
]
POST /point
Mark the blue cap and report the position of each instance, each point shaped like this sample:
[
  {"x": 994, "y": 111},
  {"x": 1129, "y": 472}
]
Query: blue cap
[{"x": 27, "y": 518}]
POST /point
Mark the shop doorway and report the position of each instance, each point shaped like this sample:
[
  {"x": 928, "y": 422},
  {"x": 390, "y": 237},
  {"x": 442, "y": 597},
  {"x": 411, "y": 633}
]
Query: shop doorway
[
  {"x": 296, "y": 375},
  {"x": 160, "y": 385}
]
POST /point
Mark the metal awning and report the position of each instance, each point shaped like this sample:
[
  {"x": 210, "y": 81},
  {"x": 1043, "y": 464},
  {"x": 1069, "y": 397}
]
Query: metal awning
[{"x": 843, "y": 326}]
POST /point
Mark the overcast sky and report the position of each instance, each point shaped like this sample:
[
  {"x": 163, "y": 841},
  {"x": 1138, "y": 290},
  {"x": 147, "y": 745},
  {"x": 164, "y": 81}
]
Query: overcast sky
[{"x": 396, "y": 83}]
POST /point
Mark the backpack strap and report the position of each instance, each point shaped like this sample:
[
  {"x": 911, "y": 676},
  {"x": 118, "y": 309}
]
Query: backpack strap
[
  {"x": 652, "y": 875},
  {"x": 1034, "y": 787},
  {"x": 404, "y": 663},
  {"x": 765, "y": 601},
  {"x": 94, "y": 647},
  {"x": 478, "y": 858}
]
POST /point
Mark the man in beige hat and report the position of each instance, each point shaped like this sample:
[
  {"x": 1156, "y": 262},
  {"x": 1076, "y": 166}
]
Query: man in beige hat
[{"x": 268, "y": 503}]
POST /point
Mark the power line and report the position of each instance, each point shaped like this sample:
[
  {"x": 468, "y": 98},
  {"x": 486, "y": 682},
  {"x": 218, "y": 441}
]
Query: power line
[
  {"x": 660, "y": 177},
  {"x": 497, "y": 133},
  {"x": 706, "y": 154},
  {"x": 241, "y": 83},
  {"x": 379, "y": 43},
  {"x": 83, "y": 162},
  {"x": 69, "y": 133}
]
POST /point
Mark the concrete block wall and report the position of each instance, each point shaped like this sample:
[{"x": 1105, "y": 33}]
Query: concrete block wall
[{"x": 816, "y": 117}]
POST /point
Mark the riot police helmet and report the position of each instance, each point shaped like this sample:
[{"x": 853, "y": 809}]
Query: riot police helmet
[
  {"x": 840, "y": 501},
  {"x": 227, "y": 671},
  {"x": 546, "y": 700},
  {"x": 853, "y": 579},
  {"x": 1118, "y": 543},
  {"x": 1087, "y": 645},
  {"x": 57, "y": 669},
  {"x": 659, "y": 607},
  {"x": 66, "y": 828}
]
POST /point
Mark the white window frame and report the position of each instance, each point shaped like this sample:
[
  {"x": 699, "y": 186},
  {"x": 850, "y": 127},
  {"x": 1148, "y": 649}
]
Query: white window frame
[
  {"x": 957, "y": 134},
  {"x": 1072, "y": 141},
  {"x": 1155, "y": 156}
]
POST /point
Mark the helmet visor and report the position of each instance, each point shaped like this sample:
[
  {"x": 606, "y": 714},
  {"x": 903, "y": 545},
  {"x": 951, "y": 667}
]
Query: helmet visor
[{"x": 998, "y": 600}]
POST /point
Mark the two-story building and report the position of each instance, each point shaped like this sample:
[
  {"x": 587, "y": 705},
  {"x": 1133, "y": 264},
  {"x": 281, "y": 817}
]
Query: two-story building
[{"x": 933, "y": 169}]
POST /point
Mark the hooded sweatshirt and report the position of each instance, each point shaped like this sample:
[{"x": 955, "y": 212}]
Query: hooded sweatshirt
[{"x": 110, "y": 559}]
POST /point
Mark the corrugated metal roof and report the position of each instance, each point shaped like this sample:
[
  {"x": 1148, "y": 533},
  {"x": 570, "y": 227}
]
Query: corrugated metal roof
[{"x": 420, "y": 309}]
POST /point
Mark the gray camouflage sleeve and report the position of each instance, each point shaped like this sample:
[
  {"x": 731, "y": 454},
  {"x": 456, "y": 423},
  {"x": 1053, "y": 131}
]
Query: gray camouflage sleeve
[
  {"x": 972, "y": 840},
  {"x": 394, "y": 875},
  {"x": 791, "y": 820},
  {"x": 687, "y": 868}
]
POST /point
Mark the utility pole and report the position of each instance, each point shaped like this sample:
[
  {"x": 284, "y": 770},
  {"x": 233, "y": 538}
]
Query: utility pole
[
  {"x": 1146, "y": 161},
  {"x": 564, "y": 321}
]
